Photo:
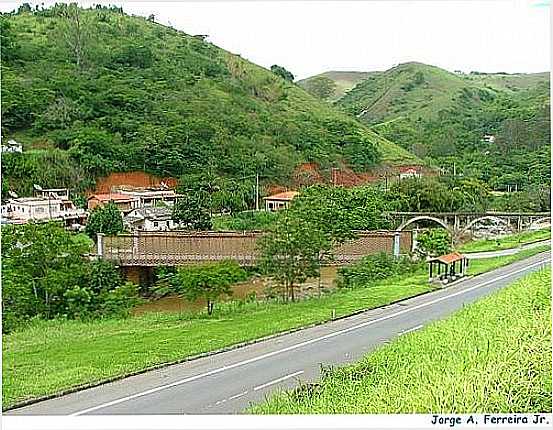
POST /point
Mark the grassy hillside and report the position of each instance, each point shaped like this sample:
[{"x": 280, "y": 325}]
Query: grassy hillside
[
  {"x": 444, "y": 116},
  {"x": 337, "y": 82},
  {"x": 114, "y": 92}
]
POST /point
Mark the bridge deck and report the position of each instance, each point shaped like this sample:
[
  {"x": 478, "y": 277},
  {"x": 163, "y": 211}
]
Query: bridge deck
[{"x": 181, "y": 248}]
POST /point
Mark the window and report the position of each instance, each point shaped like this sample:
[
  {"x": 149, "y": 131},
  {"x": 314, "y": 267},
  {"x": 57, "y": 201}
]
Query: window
[{"x": 155, "y": 223}]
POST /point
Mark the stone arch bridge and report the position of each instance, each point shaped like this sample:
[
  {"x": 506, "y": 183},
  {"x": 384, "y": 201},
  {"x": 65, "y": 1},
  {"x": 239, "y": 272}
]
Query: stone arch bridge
[{"x": 460, "y": 223}]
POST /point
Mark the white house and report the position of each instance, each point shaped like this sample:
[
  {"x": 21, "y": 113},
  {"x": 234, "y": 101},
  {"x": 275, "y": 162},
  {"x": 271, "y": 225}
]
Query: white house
[
  {"x": 410, "y": 172},
  {"x": 279, "y": 201},
  {"x": 24, "y": 209},
  {"x": 12, "y": 146},
  {"x": 150, "y": 219}
]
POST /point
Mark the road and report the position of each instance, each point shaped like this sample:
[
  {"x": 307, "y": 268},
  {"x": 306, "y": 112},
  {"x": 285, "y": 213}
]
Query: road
[
  {"x": 230, "y": 381},
  {"x": 503, "y": 252}
]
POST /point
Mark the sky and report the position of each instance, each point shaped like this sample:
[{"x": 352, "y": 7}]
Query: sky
[{"x": 310, "y": 37}]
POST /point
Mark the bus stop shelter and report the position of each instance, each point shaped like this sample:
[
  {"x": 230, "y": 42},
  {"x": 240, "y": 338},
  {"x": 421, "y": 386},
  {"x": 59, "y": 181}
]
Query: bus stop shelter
[{"x": 447, "y": 268}]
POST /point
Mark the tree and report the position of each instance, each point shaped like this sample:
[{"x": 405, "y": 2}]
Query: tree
[
  {"x": 210, "y": 281},
  {"x": 75, "y": 31},
  {"x": 44, "y": 256},
  {"x": 434, "y": 242},
  {"x": 282, "y": 72},
  {"x": 106, "y": 219},
  {"x": 192, "y": 212},
  {"x": 291, "y": 251}
]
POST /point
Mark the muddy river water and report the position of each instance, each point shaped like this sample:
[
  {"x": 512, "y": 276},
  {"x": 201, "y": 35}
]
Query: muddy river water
[{"x": 240, "y": 291}]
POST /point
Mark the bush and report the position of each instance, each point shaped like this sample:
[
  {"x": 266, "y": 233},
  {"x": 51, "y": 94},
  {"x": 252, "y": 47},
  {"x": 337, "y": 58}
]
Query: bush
[
  {"x": 372, "y": 268},
  {"x": 45, "y": 275},
  {"x": 434, "y": 242}
]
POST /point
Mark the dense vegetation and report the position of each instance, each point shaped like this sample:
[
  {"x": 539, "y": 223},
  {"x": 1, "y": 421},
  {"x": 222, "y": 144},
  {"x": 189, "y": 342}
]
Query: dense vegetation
[
  {"x": 444, "y": 117},
  {"x": 499, "y": 347},
  {"x": 68, "y": 353},
  {"x": 372, "y": 268},
  {"x": 45, "y": 276},
  {"x": 124, "y": 93}
]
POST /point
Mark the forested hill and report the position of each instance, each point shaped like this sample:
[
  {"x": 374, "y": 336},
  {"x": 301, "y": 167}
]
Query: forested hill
[
  {"x": 92, "y": 91},
  {"x": 444, "y": 118}
]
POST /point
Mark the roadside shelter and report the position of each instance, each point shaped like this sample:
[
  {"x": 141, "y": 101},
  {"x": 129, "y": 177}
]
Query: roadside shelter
[{"x": 447, "y": 267}]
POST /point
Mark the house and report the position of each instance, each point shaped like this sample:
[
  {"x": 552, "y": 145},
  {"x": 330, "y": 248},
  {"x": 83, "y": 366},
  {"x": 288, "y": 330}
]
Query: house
[
  {"x": 279, "y": 201},
  {"x": 150, "y": 219},
  {"x": 12, "y": 146},
  {"x": 410, "y": 172},
  {"x": 57, "y": 193},
  {"x": 488, "y": 138},
  {"x": 24, "y": 209},
  {"x": 124, "y": 202},
  {"x": 151, "y": 197}
]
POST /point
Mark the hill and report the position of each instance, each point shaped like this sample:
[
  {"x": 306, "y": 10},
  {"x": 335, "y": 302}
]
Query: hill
[
  {"x": 495, "y": 127},
  {"x": 334, "y": 84},
  {"x": 94, "y": 91}
]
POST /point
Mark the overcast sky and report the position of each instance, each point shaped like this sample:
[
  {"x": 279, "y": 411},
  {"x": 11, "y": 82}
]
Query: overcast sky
[{"x": 309, "y": 37}]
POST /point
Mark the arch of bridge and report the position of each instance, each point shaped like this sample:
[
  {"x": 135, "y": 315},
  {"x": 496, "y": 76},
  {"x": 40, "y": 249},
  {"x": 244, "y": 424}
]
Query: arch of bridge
[
  {"x": 483, "y": 218},
  {"x": 424, "y": 217},
  {"x": 539, "y": 221}
]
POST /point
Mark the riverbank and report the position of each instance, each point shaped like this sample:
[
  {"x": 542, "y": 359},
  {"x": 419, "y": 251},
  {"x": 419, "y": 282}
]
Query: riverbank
[{"x": 51, "y": 357}]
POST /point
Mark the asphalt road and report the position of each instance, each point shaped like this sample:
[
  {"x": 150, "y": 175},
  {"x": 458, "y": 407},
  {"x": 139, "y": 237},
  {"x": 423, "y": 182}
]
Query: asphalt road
[{"x": 230, "y": 381}]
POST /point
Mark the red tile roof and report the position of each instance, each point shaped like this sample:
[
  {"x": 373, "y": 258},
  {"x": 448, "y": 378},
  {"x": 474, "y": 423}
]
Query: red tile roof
[
  {"x": 449, "y": 258},
  {"x": 286, "y": 196},
  {"x": 408, "y": 169}
]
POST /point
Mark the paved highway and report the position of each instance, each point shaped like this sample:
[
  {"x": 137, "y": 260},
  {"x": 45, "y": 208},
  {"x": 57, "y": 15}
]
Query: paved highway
[{"x": 230, "y": 381}]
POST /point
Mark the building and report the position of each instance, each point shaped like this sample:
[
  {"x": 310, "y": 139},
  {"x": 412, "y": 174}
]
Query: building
[
  {"x": 24, "y": 209},
  {"x": 57, "y": 193},
  {"x": 150, "y": 198},
  {"x": 279, "y": 201},
  {"x": 447, "y": 268},
  {"x": 406, "y": 172},
  {"x": 150, "y": 219},
  {"x": 123, "y": 202},
  {"x": 488, "y": 138},
  {"x": 12, "y": 146}
]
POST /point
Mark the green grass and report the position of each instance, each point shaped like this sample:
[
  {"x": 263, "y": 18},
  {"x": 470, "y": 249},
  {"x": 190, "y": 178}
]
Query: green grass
[
  {"x": 482, "y": 265},
  {"x": 51, "y": 356},
  {"x": 55, "y": 355},
  {"x": 506, "y": 242},
  {"x": 493, "y": 356}
]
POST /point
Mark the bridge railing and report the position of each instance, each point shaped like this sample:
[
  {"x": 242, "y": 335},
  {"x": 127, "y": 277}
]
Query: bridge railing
[{"x": 178, "y": 248}]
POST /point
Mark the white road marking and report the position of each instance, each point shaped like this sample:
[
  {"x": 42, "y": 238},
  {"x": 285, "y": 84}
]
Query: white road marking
[
  {"x": 411, "y": 329},
  {"x": 238, "y": 395},
  {"x": 301, "y": 344},
  {"x": 276, "y": 381}
]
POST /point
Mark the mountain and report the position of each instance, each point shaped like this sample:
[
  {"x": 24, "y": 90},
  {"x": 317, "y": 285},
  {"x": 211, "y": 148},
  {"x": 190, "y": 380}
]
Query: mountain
[
  {"x": 495, "y": 127},
  {"x": 334, "y": 84},
  {"x": 94, "y": 91}
]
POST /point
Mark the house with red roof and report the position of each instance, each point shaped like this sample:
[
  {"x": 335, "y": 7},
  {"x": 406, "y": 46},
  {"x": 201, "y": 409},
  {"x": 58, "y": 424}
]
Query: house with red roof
[
  {"x": 279, "y": 201},
  {"x": 124, "y": 202}
]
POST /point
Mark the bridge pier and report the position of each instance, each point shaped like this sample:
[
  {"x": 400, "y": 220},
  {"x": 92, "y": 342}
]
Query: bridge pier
[
  {"x": 396, "y": 249},
  {"x": 143, "y": 276}
]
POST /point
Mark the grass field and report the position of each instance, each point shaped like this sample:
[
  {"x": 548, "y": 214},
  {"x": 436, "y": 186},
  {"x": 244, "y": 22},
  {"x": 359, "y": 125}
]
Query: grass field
[
  {"x": 506, "y": 242},
  {"x": 493, "y": 356},
  {"x": 479, "y": 266},
  {"x": 52, "y": 356}
]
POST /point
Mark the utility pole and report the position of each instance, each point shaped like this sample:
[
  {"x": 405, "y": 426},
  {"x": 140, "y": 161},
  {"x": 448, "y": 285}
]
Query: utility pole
[
  {"x": 256, "y": 191},
  {"x": 454, "y": 170}
]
